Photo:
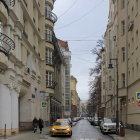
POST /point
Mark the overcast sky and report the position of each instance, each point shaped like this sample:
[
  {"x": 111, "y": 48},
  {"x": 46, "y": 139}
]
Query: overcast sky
[{"x": 80, "y": 20}]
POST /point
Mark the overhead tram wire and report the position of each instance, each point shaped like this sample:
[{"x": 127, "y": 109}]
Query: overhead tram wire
[
  {"x": 81, "y": 16},
  {"x": 68, "y": 9}
]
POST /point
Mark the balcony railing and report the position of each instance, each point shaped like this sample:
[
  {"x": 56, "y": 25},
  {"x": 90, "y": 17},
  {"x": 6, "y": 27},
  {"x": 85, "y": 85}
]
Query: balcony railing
[
  {"x": 50, "y": 84},
  {"x": 49, "y": 61},
  {"x": 48, "y": 37},
  {"x": 8, "y": 3},
  {"x": 51, "y": 16},
  {"x": 6, "y": 44}
]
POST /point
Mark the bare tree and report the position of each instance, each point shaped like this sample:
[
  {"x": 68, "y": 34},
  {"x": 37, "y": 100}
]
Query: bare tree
[{"x": 95, "y": 76}]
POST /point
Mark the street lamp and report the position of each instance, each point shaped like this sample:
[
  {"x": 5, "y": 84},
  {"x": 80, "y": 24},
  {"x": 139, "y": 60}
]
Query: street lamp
[{"x": 117, "y": 110}]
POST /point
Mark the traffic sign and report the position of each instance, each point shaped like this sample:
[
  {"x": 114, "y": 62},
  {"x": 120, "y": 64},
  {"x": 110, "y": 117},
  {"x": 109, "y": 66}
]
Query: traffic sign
[
  {"x": 137, "y": 95},
  {"x": 44, "y": 104},
  {"x": 139, "y": 103}
]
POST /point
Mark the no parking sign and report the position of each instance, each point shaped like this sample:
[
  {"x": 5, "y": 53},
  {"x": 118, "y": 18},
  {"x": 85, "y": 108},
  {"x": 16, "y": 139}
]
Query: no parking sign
[{"x": 139, "y": 103}]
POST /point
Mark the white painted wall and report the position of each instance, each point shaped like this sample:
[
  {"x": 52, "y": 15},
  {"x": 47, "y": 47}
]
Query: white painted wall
[
  {"x": 14, "y": 108},
  {"x": 5, "y": 107}
]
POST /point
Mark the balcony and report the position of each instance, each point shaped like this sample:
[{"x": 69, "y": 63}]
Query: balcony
[
  {"x": 8, "y": 3},
  {"x": 49, "y": 61},
  {"x": 51, "y": 84},
  {"x": 48, "y": 38},
  {"x": 50, "y": 16},
  {"x": 6, "y": 44}
]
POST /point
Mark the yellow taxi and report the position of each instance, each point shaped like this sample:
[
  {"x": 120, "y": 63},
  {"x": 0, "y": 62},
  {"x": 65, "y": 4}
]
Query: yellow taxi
[{"x": 61, "y": 127}]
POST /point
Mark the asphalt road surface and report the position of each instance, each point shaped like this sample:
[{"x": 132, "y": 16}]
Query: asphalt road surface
[{"x": 84, "y": 131}]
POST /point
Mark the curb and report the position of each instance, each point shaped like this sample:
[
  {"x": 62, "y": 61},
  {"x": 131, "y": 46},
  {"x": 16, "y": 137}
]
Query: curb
[
  {"x": 112, "y": 137},
  {"x": 73, "y": 124}
]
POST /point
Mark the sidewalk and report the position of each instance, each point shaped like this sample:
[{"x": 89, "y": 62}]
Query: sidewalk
[
  {"x": 30, "y": 135},
  {"x": 129, "y": 135}
]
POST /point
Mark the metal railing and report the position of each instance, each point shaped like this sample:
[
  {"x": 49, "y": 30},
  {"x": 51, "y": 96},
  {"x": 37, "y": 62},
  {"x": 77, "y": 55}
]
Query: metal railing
[
  {"x": 51, "y": 16},
  {"x": 49, "y": 37},
  {"x": 50, "y": 84},
  {"x": 8, "y": 3},
  {"x": 6, "y": 44},
  {"x": 49, "y": 61}
]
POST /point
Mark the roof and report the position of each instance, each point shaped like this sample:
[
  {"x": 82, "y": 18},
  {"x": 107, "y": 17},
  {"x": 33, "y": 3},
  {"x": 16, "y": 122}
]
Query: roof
[{"x": 63, "y": 44}]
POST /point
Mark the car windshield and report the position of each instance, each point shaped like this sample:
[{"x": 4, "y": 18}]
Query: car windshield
[
  {"x": 96, "y": 118},
  {"x": 60, "y": 123},
  {"x": 107, "y": 120},
  {"x": 113, "y": 120}
]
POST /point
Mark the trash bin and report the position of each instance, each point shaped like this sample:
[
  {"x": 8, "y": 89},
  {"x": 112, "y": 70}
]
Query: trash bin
[{"x": 122, "y": 131}]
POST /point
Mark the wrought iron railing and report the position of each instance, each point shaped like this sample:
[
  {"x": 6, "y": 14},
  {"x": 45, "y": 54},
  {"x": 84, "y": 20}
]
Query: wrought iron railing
[
  {"x": 51, "y": 16},
  {"x": 49, "y": 37},
  {"x": 50, "y": 84},
  {"x": 49, "y": 61},
  {"x": 6, "y": 44},
  {"x": 8, "y": 3}
]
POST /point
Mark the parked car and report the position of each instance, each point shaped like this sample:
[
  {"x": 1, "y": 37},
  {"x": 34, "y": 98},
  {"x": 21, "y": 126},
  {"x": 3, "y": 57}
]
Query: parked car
[
  {"x": 108, "y": 125},
  {"x": 91, "y": 120},
  {"x": 61, "y": 127},
  {"x": 97, "y": 121}
]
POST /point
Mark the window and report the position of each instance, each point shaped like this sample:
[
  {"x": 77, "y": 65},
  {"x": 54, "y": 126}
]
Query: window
[
  {"x": 49, "y": 79},
  {"x": 122, "y": 4},
  {"x": 48, "y": 34},
  {"x": 49, "y": 56},
  {"x": 123, "y": 80},
  {"x": 103, "y": 85},
  {"x": 1, "y": 31},
  {"x": 136, "y": 6},
  {"x": 137, "y": 35},
  {"x": 123, "y": 27},
  {"x": 133, "y": 73},
  {"x": 123, "y": 54},
  {"x": 48, "y": 10},
  {"x": 137, "y": 67},
  {"x": 132, "y": 12},
  {"x": 110, "y": 82}
]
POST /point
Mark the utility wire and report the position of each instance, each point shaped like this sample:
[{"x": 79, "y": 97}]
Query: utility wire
[
  {"x": 82, "y": 40},
  {"x": 89, "y": 12},
  {"x": 68, "y": 9},
  {"x": 84, "y": 60}
]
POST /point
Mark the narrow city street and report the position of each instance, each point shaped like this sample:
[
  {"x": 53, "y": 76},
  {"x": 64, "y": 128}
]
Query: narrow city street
[{"x": 81, "y": 131}]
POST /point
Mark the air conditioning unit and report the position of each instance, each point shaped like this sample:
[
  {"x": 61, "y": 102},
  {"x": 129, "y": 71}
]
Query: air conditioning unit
[{"x": 131, "y": 25}]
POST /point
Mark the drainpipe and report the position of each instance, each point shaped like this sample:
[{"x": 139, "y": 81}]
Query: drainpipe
[{"x": 126, "y": 50}]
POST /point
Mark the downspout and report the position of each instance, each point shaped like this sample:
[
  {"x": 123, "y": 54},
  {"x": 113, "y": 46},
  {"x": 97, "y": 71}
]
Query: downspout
[{"x": 126, "y": 50}]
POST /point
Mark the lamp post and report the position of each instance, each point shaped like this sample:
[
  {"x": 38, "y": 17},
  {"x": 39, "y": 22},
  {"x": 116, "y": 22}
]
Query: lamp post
[{"x": 117, "y": 109}]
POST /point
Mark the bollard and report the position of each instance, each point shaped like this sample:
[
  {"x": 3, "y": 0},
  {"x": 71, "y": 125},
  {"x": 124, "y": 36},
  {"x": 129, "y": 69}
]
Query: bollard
[
  {"x": 122, "y": 131},
  {"x": 5, "y": 132}
]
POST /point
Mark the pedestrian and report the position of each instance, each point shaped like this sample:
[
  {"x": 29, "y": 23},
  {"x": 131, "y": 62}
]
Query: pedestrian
[
  {"x": 41, "y": 124},
  {"x": 35, "y": 124}
]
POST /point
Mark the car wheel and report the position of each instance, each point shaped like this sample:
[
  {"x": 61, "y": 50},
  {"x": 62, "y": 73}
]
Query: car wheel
[
  {"x": 71, "y": 134},
  {"x": 102, "y": 131}
]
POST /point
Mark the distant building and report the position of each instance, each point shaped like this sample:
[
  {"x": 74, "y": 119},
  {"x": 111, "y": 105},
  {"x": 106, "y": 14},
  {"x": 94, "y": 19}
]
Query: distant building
[
  {"x": 75, "y": 100},
  {"x": 67, "y": 94}
]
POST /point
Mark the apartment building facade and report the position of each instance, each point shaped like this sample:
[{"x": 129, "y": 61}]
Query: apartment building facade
[
  {"x": 21, "y": 29},
  {"x": 122, "y": 39},
  {"x": 31, "y": 65},
  {"x": 75, "y": 100}
]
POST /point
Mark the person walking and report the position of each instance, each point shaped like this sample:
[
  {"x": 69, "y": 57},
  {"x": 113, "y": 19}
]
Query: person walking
[
  {"x": 41, "y": 124},
  {"x": 35, "y": 124}
]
